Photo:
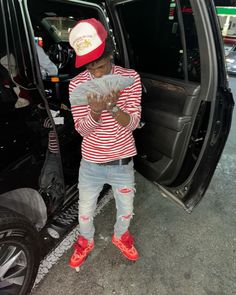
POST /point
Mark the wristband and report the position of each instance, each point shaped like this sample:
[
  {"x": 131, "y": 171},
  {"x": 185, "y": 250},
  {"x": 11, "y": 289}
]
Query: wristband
[{"x": 114, "y": 110}]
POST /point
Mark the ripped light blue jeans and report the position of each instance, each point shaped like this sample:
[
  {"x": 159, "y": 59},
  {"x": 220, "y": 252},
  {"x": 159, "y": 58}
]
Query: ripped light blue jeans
[{"x": 92, "y": 177}]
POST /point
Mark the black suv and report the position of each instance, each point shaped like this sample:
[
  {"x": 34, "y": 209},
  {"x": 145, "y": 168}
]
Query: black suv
[{"x": 187, "y": 106}]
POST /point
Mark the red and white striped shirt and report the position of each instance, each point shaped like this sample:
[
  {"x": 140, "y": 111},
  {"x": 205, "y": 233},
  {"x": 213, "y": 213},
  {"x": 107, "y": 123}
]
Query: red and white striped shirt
[{"x": 107, "y": 140}]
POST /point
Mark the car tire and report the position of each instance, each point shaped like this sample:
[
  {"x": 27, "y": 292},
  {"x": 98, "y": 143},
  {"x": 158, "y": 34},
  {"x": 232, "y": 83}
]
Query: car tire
[{"x": 19, "y": 253}]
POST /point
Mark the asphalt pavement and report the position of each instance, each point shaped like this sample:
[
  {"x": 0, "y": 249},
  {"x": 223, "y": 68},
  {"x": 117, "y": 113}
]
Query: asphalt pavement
[{"x": 181, "y": 253}]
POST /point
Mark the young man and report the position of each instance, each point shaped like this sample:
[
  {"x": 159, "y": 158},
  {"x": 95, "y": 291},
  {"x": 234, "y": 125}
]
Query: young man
[{"x": 106, "y": 125}]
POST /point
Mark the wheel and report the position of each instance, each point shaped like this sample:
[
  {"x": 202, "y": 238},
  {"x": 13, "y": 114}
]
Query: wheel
[{"x": 19, "y": 253}]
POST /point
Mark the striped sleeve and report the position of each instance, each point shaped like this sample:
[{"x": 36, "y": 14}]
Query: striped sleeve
[{"x": 84, "y": 123}]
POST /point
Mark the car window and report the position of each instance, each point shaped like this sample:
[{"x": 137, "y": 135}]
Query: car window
[
  {"x": 17, "y": 43},
  {"x": 8, "y": 97},
  {"x": 61, "y": 26},
  {"x": 191, "y": 39},
  {"x": 167, "y": 43},
  {"x": 8, "y": 56},
  {"x": 3, "y": 47}
]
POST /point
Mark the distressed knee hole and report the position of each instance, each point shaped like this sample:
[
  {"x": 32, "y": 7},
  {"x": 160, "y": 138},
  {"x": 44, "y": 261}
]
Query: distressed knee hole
[
  {"x": 125, "y": 190},
  {"x": 126, "y": 217},
  {"x": 84, "y": 218}
]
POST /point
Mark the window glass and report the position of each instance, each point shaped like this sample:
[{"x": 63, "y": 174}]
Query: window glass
[
  {"x": 61, "y": 26},
  {"x": 3, "y": 48},
  {"x": 8, "y": 97},
  {"x": 16, "y": 123},
  {"x": 18, "y": 45},
  {"x": 154, "y": 37},
  {"x": 17, "y": 90},
  {"x": 192, "y": 47}
]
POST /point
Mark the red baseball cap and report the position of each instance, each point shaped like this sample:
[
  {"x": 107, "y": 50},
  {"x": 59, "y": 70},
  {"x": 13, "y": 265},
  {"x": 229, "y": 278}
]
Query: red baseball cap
[{"x": 88, "y": 38}]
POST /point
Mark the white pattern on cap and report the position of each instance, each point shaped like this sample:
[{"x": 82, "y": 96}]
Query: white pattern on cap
[
  {"x": 84, "y": 39},
  {"x": 88, "y": 40}
]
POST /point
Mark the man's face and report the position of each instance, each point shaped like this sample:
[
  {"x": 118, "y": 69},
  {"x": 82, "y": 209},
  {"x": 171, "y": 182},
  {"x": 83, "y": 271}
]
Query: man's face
[{"x": 100, "y": 68}]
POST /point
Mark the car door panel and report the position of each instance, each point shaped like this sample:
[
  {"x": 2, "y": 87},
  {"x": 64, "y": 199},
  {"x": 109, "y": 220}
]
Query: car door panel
[
  {"x": 179, "y": 55},
  {"x": 167, "y": 111}
]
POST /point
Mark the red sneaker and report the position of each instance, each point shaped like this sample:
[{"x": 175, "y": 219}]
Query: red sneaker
[
  {"x": 126, "y": 246},
  {"x": 82, "y": 249}
]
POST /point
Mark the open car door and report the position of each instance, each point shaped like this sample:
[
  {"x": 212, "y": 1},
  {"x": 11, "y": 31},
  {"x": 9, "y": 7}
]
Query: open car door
[{"x": 176, "y": 47}]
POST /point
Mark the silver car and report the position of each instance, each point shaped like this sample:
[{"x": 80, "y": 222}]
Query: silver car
[{"x": 231, "y": 61}]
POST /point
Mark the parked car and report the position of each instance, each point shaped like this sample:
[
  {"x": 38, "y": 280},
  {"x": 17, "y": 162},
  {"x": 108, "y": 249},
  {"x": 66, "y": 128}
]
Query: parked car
[
  {"x": 228, "y": 48},
  {"x": 187, "y": 107},
  {"x": 231, "y": 61}
]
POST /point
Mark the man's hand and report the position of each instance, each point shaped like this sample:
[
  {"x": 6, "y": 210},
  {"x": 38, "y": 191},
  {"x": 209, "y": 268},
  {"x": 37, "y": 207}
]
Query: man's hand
[
  {"x": 111, "y": 100},
  {"x": 96, "y": 103}
]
